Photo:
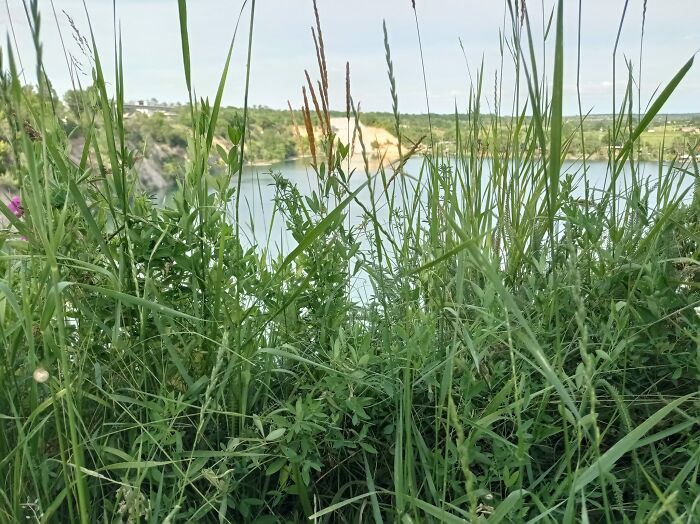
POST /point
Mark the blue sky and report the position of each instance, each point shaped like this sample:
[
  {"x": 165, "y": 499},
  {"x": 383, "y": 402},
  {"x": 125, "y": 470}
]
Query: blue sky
[{"x": 283, "y": 48}]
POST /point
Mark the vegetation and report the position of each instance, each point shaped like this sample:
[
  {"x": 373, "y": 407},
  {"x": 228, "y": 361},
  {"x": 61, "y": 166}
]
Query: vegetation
[
  {"x": 527, "y": 353},
  {"x": 666, "y": 137},
  {"x": 160, "y": 136}
]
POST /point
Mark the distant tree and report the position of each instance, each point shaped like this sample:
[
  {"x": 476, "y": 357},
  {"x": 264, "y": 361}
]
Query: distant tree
[{"x": 78, "y": 100}]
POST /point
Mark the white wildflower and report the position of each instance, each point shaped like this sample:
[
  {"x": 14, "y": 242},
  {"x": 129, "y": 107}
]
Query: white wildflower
[{"x": 41, "y": 375}]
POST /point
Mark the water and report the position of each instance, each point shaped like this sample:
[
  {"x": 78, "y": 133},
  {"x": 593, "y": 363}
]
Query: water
[{"x": 258, "y": 192}]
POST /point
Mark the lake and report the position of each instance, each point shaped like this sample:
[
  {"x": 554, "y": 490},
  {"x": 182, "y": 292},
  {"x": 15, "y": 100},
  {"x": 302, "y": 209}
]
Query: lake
[{"x": 258, "y": 192}]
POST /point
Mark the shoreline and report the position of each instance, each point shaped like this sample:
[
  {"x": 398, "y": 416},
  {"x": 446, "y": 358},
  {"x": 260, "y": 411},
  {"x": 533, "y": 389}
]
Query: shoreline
[{"x": 7, "y": 189}]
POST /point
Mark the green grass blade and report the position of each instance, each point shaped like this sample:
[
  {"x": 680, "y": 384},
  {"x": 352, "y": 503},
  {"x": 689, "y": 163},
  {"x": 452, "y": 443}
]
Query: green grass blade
[
  {"x": 556, "y": 122},
  {"x": 335, "y": 507},
  {"x": 654, "y": 109},
  {"x": 138, "y": 301},
  {"x": 624, "y": 445},
  {"x": 506, "y": 506},
  {"x": 319, "y": 229},
  {"x": 185, "y": 40}
]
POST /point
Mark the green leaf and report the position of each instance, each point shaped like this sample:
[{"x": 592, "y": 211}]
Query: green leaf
[
  {"x": 506, "y": 506},
  {"x": 184, "y": 38},
  {"x": 606, "y": 461},
  {"x": 438, "y": 513},
  {"x": 652, "y": 112},
  {"x": 139, "y": 302},
  {"x": 275, "y": 434},
  {"x": 338, "y": 505},
  {"x": 275, "y": 466},
  {"x": 369, "y": 448},
  {"x": 376, "y": 512},
  {"x": 11, "y": 298},
  {"x": 217, "y": 101},
  {"x": 292, "y": 356},
  {"x": 556, "y": 121},
  {"x": 331, "y": 219},
  {"x": 452, "y": 252}
]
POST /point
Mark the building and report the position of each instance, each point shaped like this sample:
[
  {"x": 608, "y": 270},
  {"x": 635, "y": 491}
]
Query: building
[{"x": 147, "y": 109}]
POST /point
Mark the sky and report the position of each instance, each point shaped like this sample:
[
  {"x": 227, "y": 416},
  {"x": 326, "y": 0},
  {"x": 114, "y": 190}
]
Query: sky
[{"x": 352, "y": 30}]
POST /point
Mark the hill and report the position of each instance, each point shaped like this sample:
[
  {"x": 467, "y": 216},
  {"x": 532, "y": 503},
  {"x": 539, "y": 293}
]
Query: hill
[{"x": 158, "y": 135}]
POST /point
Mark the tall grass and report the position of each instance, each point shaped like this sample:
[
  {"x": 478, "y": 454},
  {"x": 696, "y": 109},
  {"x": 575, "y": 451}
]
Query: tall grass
[{"x": 530, "y": 351}]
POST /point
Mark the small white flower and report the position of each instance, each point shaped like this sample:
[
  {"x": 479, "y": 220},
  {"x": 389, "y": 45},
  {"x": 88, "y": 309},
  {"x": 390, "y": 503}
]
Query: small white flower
[
  {"x": 697, "y": 310},
  {"x": 41, "y": 375}
]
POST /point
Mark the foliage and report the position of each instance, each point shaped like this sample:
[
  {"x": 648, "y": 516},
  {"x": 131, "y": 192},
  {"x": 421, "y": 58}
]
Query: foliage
[{"x": 530, "y": 350}]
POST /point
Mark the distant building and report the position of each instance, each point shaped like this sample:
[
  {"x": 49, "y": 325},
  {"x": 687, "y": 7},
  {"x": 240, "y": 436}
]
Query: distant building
[{"x": 148, "y": 109}]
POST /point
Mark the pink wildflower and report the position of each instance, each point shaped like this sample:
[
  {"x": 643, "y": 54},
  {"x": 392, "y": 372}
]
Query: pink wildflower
[{"x": 15, "y": 206}]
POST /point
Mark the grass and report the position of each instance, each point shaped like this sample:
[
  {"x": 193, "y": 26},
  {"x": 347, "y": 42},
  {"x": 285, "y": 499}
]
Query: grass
[{"x": 527, "y": 354}]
